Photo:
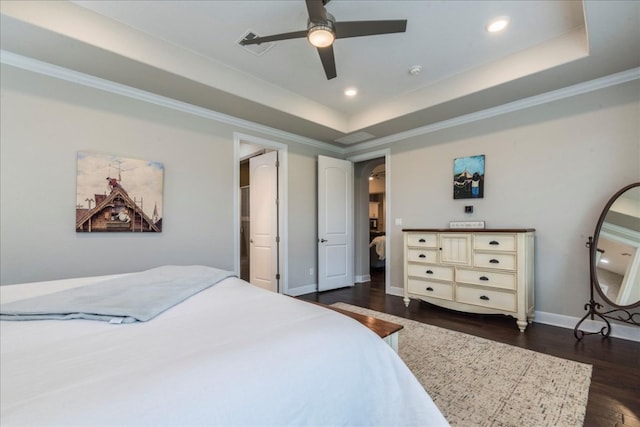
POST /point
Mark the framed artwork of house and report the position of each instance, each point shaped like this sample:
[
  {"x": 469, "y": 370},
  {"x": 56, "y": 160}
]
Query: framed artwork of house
[
  {"x": 118, "y": 194},
  {"x": 468, "y": 177}
]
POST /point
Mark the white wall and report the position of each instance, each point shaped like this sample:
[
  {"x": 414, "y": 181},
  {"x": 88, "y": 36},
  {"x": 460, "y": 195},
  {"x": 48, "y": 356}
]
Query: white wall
[
  {"x": 551, "y": 168},
  {"x": 46, "y": 121}
]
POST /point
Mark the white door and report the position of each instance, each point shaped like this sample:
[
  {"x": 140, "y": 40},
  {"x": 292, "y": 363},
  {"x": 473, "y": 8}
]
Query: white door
[
  {"x": 335, "y": 223},
  {"x": 263, "y": 205}
]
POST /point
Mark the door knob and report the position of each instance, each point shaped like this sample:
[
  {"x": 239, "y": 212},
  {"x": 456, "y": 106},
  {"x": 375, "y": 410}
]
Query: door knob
[{"x": 323, "y": 240}]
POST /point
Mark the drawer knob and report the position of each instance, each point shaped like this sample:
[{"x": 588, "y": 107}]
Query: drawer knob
[
  {"x": 429, "y": 288},
  {"x": 421, "y": 240},
  {"x": 429, "y": 272},
  {"x": 422, "y": 256},
  {"x": 484, "y": 297},
  {"x": 494, "y": 242},
  {"x": 485, "y": 278},
  {"x": 494, "y": 261}
]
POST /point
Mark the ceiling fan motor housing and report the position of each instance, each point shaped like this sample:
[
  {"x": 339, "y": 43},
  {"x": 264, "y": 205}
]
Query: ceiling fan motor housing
[{"x": 330, "y": 22}]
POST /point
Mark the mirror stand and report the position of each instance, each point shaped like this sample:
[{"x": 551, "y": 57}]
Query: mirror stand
[{"x": 594, "y": 308}]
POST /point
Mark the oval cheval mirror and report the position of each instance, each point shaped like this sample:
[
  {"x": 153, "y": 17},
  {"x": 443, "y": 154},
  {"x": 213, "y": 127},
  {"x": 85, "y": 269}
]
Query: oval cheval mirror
[{"x": 614, "y": 259}]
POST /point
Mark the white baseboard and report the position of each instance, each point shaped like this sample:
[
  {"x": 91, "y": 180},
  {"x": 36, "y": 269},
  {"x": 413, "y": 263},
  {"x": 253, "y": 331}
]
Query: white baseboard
[
  {"x": 302, "y": 290},
  {"x": 362, "y": 279},
  {"x": 618, "y": 330},
  {"x": 393, "y": 290}
]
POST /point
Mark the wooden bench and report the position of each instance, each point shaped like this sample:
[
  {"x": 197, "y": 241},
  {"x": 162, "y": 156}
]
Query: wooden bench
[{"x": 388, "y": 331}]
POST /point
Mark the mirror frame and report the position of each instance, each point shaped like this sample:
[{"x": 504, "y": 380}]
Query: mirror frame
[{"x": 594, "y": 246}]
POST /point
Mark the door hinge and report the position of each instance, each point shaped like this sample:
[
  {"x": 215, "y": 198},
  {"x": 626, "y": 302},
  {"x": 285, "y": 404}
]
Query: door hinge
[
  {"x": 277, "y": 163},
  {"x": 277, "y": 239},
  {"x": 278, "y": 276}
]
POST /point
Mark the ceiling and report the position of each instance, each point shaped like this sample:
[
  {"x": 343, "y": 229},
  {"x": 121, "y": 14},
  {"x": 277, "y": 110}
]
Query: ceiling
[{"x": 188, "y": 51}]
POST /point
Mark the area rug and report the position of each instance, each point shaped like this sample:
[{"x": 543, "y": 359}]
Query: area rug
[{"x": 479, "y": 382}]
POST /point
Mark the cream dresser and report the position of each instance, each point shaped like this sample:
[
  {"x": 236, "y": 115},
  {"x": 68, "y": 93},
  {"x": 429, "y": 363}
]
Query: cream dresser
[{"x": 477, "y": 271}]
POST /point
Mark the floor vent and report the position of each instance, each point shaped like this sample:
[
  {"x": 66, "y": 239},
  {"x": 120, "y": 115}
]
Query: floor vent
[{"x": 256, "y": 49}]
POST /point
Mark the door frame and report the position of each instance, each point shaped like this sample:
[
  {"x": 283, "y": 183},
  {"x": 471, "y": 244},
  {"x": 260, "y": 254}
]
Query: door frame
[
  {"x": 386, "y": 153},
  {"x": 283, "y": 232}
]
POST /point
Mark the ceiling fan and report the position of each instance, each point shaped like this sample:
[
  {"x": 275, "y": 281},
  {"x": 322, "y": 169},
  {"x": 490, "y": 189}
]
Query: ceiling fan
[{"x": 323, "y": 29}]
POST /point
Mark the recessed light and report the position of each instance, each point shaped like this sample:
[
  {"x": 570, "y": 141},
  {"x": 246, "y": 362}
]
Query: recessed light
[
  {"x": 498, "y": 24},
  {"x": 351, "y": 91}
]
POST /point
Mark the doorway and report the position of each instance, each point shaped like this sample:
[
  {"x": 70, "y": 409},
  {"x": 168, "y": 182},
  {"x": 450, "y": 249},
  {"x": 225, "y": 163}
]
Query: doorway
[
  {"x": 260, "y": 237},
  {"x": 377, "y": 214},
  {"x": 371, "y": 208}
]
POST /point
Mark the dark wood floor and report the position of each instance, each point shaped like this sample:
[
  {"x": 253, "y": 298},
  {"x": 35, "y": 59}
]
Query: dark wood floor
[{"x": 614, "y": 396}]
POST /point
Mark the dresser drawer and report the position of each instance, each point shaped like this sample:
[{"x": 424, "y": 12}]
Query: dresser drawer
[
  {"x": 486, "y": 278},
  {"x": 431, "y": 289},
  {"x": 494, "y": 242},
  {"x": 422, "y": 255},
  {"x": 422, "y": 239},
  {"x": 431, "y": 272},
  {"x": 501, "y": 300},
  {"x": 494, "y": 260}
]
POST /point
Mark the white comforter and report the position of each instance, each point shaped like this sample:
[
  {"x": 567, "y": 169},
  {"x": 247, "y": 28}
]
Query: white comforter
[
  {"x": 231, "y": 355},
  {"x": 379, "y": 243}
]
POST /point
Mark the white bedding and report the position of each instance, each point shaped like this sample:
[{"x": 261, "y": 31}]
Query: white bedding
[
  {"x": 379, "y": 243},
  {"x": 231, "y": 355},
  {"x": 135, "y": 297}
]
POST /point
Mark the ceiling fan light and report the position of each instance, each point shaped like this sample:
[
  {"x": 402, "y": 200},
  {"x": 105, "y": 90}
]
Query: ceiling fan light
[{"x": 321, "y": 36}]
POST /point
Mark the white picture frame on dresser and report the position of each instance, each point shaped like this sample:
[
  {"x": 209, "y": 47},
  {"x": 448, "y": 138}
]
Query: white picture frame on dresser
[{"x": 488, "y": 271}]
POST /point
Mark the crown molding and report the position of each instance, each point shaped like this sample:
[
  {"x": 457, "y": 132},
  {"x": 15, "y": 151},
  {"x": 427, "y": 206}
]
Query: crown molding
[
  {"x": 40, "y": 67},
  {"x": 44, "y": 68},
  {"x": 566, "y": 92}
]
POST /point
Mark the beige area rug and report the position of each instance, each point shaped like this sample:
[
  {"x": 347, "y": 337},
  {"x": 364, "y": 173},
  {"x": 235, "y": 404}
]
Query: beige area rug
[{"x": 479, "y": 382}]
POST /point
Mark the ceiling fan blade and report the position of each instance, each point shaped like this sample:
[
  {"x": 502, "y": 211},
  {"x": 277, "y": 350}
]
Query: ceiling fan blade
[
  {"x": 316, "y": 10},
  {"x": 328, "y": 61},
  {"x": 369, "y": 28},
  {"x": 275, "y": 37}
]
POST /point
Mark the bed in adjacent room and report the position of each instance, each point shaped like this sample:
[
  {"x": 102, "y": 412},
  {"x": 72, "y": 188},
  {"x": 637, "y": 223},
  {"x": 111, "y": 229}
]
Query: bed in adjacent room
[
  {"x": 230, "y": 354},
  {"x": 377, "y": 249}
]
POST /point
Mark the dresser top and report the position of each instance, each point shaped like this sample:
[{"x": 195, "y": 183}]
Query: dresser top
[{"x": 472, "y": 230}]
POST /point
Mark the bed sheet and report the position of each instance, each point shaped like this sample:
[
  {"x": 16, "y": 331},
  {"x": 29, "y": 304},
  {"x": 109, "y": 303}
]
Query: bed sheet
[{"x": 233, "y": 354}]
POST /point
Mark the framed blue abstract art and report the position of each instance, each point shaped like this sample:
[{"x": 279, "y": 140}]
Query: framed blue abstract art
[{"x": 468, "y": 177}]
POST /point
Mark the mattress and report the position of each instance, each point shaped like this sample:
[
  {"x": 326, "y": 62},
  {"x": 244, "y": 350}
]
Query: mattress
[{"x": 231, "y": 355}]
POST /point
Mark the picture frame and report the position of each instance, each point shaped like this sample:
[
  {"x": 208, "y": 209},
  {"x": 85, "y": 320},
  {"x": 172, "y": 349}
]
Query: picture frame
[
  {"x": 469, "y": 177},
  {"x": 118, "y": 194}
]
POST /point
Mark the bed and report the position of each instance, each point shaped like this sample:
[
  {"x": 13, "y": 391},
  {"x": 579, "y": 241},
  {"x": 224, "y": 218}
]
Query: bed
[
  {"x": 377, "y": 249},
  {"x": 231, "y": 354}
]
